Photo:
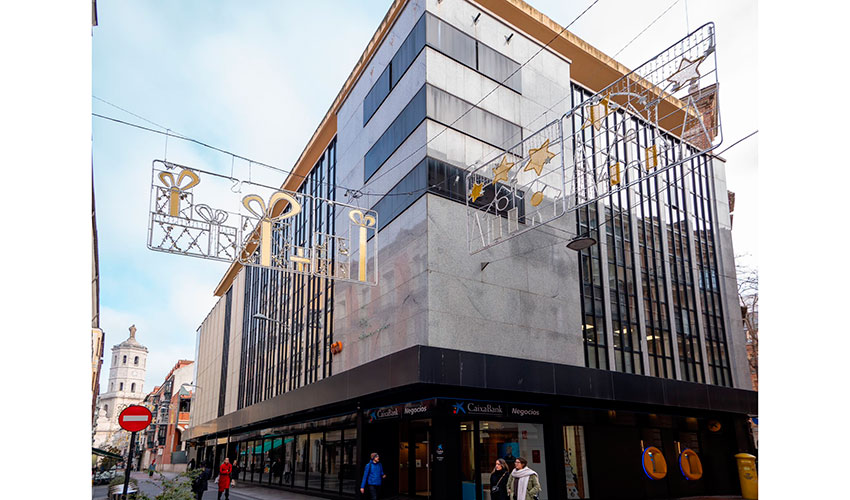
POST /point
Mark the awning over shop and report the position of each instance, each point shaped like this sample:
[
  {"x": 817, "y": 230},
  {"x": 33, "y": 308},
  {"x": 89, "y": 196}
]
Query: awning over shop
[{"x": 104, "y": 453}]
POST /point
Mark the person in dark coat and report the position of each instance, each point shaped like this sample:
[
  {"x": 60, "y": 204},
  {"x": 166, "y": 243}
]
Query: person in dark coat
[
  {"x": 201, "y": 483},
  {"x": 499, "y": 481}
]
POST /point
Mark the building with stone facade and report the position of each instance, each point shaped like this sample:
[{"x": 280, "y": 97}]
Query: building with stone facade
[
  {"x": 581, "y": 362},
  {"x": 125, "y": 387}
]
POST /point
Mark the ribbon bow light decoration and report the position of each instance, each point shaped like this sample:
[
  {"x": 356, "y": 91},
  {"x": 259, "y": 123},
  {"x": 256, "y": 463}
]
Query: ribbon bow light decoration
[
  {"x": 176, "y": 189},
  {"x": 215, "y": 218},
  {"x": 266, "y": 219},
  {"x": 364, "y": 222}
]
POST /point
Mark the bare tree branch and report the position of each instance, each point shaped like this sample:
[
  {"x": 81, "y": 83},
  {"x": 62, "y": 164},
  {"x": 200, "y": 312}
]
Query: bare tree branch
[{"x": 748, "y": 299}]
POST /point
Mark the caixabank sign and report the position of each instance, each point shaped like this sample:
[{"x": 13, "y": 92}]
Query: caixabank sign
[
  {"x": 416, "y": 409},
  {"x": 442, "y": 406},
  {"x": 495, "y": 409}
]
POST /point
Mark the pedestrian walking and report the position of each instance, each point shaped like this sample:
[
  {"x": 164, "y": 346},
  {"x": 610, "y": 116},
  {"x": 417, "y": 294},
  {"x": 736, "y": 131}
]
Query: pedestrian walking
[
  {"x": 224, "y": 479},
  {"x": 152, "y": 468},
  {"x": 235, "y": 474},
  {"x": 523, "y": 483},
  {"x": 499, "y": 481},
  {"x": 191, "y": 465},
  {"x": 373, "y": 475},
  {"x": 201, "y": 482}
]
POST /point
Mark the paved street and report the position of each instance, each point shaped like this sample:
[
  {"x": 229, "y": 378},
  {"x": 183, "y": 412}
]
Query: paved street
[{"x": 152, "y": 487}]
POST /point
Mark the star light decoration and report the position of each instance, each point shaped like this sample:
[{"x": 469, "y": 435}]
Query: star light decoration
[
  {"x": 477, "y": 191},
  {"x": 501, "y": 172},
  {"x": 538, "y": 158},
  {"x": 688, "y": 72}
]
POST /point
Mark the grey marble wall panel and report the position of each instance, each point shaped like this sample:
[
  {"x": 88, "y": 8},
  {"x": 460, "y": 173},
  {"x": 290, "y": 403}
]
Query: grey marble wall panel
[
  {"x": 373, "y": 321},
  {"x": 735, "y": 336},
  {"x": 527, "y": 302}
]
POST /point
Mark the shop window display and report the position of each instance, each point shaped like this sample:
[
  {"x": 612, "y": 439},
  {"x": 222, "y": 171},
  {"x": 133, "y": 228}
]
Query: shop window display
[
  {"x": 510, "y": 440},
  {"x": 575, "y": 463}
]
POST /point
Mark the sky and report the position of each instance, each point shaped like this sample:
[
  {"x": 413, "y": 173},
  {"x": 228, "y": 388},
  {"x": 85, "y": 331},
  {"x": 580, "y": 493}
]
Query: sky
[{"x": 257, "y": 81}]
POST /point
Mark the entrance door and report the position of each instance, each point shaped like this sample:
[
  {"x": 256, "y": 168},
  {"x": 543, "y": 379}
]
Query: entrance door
[
  {"x": 421, "y": 454},
  {"x": 414, "y": 471}
]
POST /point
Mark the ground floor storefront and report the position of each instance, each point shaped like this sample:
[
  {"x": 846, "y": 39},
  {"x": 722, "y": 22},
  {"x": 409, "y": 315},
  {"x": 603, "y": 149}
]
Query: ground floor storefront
[{"x": 442, "y": 441}]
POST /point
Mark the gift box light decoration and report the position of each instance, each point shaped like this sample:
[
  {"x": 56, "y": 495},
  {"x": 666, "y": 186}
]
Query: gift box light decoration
[
  {"x": 648, "y": 121},
  {"x": 258, "y": 229}
]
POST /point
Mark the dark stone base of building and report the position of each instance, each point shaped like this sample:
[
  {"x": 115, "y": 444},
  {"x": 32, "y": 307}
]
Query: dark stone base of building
[{"x": 440, "y": 419}]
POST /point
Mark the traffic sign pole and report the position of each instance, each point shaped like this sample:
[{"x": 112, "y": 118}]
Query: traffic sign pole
[
  {"x": 128, "y": 464},
  {"x": 134, "y": 418}
]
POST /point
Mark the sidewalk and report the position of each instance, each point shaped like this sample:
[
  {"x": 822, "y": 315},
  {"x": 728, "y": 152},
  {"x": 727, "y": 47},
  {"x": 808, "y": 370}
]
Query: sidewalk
[{"x": 242, "y": 491}]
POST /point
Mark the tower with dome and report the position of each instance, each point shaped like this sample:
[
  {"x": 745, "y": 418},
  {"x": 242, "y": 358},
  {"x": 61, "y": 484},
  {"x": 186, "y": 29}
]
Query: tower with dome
[{"x": 125, "y": 387}]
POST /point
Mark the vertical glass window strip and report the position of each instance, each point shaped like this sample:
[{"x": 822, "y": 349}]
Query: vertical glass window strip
[
  {"x": 658, "y": 338},
  {"x": 621, "y": 283},
  {"x": 690, "y": 361},
  {"x": 593, "y": 314},
  {"x": 716, "y": 348},
  {"x": 292, "y": 349}
]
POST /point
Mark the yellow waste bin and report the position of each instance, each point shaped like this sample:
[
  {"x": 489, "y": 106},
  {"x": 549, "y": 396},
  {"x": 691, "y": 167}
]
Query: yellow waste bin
[{"x": 748, "y": 476}]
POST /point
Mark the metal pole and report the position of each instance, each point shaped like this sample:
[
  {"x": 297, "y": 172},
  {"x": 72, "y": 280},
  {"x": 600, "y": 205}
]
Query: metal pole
[{"x": 128, "y": 465}]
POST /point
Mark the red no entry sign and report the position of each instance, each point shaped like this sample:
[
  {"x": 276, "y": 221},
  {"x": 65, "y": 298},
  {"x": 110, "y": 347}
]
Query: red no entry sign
[{"x": 135, "y": 418}]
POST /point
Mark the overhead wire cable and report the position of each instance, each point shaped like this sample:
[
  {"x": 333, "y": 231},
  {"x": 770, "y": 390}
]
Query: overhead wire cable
[
  {"x": 348, "y": 189},
  {"x": 292, "y": 173},
  {"x": 648, "y": 26}
]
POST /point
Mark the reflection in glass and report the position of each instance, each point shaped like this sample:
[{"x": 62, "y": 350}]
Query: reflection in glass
[
  {"x": 510, "y": 440},
  {"x": 314, "y": 471},
  {"x": 333, "y": 459}
]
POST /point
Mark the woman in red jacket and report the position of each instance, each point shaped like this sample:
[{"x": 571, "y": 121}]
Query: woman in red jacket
[{"x": 224, "y": 479}]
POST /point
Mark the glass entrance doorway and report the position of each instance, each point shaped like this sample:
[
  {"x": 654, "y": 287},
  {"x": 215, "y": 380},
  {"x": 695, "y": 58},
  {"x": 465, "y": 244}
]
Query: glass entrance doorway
[{"x": 414, "y": 465}]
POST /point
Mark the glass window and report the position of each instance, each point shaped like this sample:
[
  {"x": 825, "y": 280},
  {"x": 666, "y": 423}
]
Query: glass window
[
  {"x": 136, "y": 361},
  {"x": 301, "y": 461},
  {"x": 276, "y": 460},
  {"x": 350, "y": 482},
  {"x": 125, "y": 360},
  {"x": 133, "y": 387},
  {"x": 575, "y": 463},
  {"x": 314, "y": 470},
  {"x": 451, "y": 41},
  {"x": 408, "y": 51},
  {"x": 289, "y": 448},
  {"x": 509, "y": 441},
  {"x": 265, "y": 465},
  {"x": 256, "y": 460},
  {"x": 498, "y": 67},
  {"x": 376, "y": 96},
  {"x": 404, "y": 124},
  {"x": 467, "y": 461},
  {"x": 121, "y": 386},
  {"x": 473, "y": 121},
  {"x": 333, "y": 460}
]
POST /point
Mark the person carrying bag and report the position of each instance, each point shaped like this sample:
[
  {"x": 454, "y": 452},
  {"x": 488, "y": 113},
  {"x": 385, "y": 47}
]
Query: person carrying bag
[{"x": 498, "y": 481}]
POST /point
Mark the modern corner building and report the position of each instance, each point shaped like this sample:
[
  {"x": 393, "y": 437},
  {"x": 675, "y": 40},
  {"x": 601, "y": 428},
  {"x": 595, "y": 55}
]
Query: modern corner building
[{"x": 577, "y": 361}]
